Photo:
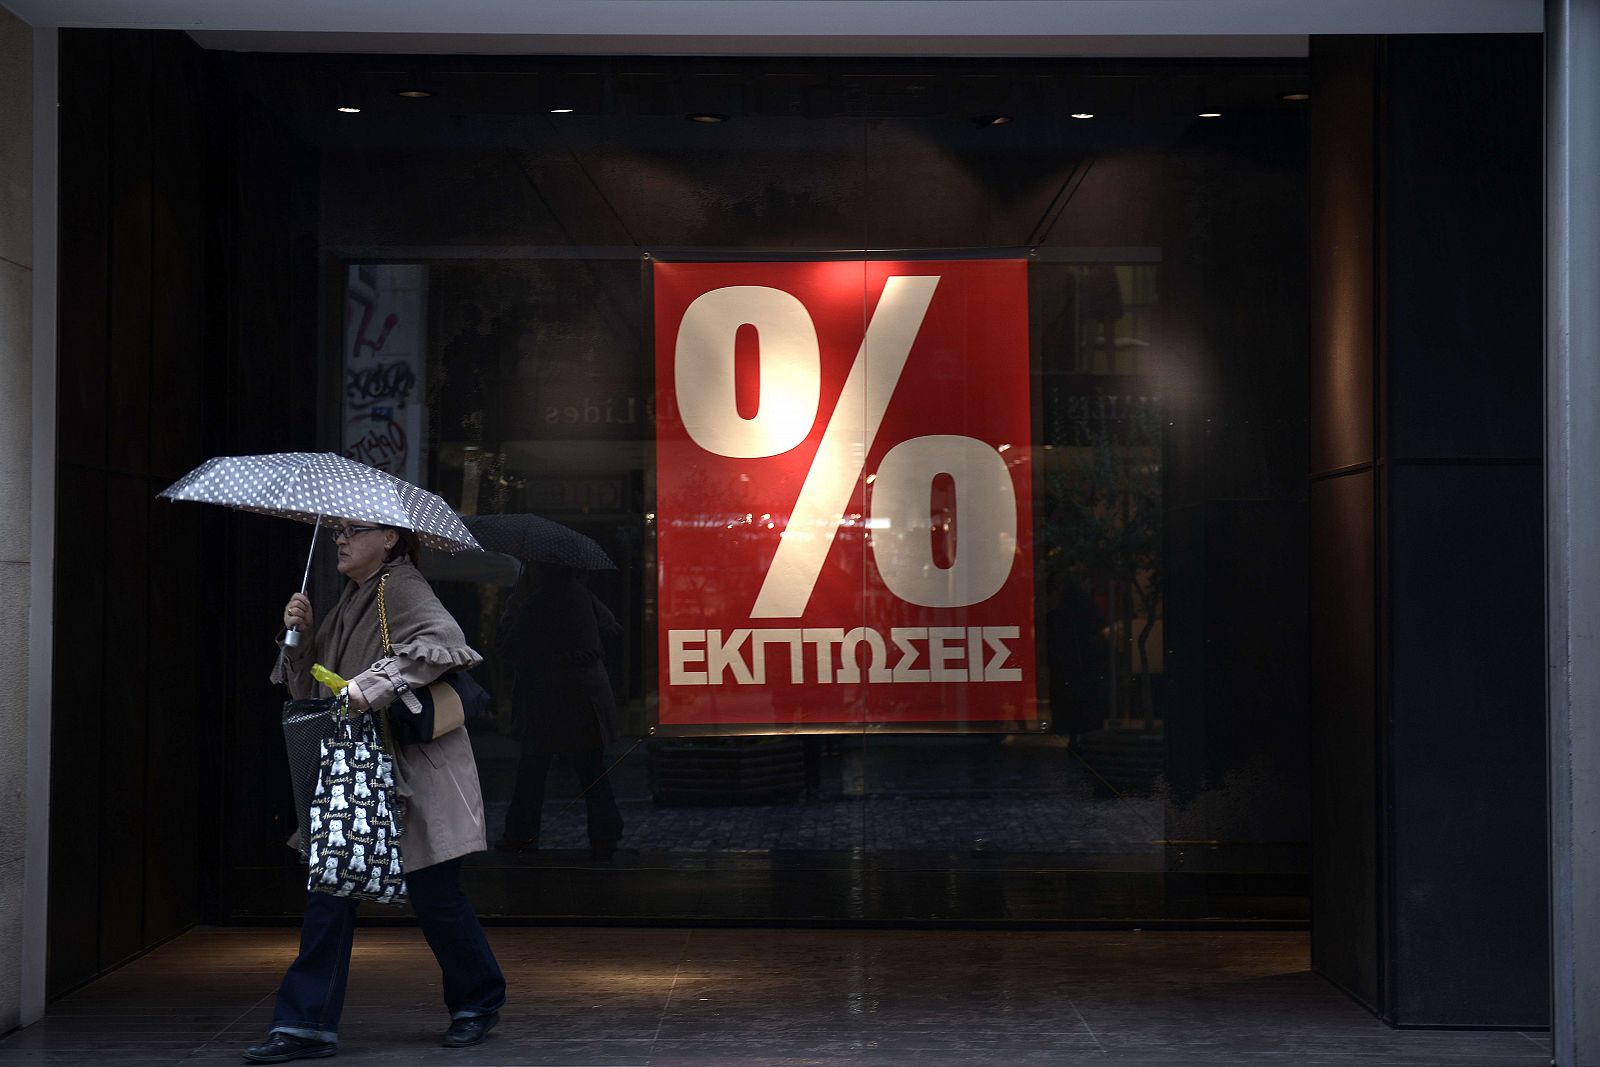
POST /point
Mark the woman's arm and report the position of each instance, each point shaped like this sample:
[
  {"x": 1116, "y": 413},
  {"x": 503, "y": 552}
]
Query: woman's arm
[
  {"x": 293, "y": 671},
  {"x": 293, "y": 667},
  {"x": 426, "y": 642},
  {"x": 379, "y": 685}
]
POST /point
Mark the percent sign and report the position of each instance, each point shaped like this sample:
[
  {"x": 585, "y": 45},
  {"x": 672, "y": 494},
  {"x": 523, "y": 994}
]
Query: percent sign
[{"x": 790, "y": 391}]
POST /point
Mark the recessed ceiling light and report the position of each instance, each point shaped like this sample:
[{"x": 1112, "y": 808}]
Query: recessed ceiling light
[
  {"x": 1211, "y": 114},
  {"x": 708, "y": 118},
  {"x": 1296, "y": 96},
  {"x": 561, "y": 111},
  {"x": 993, "y": 120},
  {"x": 350, "y": 110},
  {"x": 1083, "y": 114},
  {"x": 414, "y": 94}
]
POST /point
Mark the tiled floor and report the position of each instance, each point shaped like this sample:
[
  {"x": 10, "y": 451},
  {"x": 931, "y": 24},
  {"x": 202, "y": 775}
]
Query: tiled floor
[{"x": 772, "y": 998}]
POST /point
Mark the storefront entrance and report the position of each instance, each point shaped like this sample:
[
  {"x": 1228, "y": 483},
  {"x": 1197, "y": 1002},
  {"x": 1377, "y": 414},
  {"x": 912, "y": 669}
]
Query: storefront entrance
[
  {"x": 1182, "y": 500},
  {"x": 489, "y": 276},
  {"x": 1029, "y": 491}
]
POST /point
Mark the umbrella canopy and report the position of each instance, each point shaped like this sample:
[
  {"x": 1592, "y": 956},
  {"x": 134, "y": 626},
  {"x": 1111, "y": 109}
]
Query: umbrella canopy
[
  {"x": 318, "y": 486},
  {"x": 535, "y": 539},
  {"x": 477, "y": 568}
]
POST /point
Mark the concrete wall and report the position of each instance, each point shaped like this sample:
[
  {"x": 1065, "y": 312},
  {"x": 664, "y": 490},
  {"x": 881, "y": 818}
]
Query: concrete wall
[
  {"x": 16, "y": 427},
  {"x": 1572, "y": 501}
]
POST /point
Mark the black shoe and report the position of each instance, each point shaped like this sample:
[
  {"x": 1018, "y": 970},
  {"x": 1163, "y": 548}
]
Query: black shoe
[
  {"x": 601, "y": 851},
  {"x": 464, "y": 1033},
  {"x": 281, "y": 1048}
]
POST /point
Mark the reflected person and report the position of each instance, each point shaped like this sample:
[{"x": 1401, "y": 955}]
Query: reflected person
[
  {"x": 444, "y": 816},
  {"x": 552, "y": 637},
  {"x": 1101, "y": 307},
  {"x": 1077, "y": 651}
]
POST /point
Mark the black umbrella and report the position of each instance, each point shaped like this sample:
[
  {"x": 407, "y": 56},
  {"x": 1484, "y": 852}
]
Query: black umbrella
[{"x": 535, "y": 539}]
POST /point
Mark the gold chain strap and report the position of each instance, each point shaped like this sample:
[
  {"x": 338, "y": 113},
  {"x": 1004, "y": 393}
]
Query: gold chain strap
[
  {"x": 383, "y": 616},
  {"x": 388, "y": 650}
]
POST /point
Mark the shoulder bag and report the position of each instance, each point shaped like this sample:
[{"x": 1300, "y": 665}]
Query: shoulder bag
[
  {"x": 446, "y": 703},
  {"x": 306, "y": 723}
]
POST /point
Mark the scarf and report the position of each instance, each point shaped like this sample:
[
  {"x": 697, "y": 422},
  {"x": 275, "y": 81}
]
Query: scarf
[{"x": 350, "y": 641}]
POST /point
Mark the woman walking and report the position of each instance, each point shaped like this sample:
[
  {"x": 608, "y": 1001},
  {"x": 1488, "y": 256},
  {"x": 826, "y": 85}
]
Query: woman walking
[{"x": 444, "y": 813}]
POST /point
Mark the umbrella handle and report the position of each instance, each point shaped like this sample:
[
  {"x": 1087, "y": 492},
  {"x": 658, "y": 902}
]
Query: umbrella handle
[{"x": 292, "y": 637}]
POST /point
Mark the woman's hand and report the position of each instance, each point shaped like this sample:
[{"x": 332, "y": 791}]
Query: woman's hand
[
  {"x": 358, "y": 700},
  {"x": 297, "y": 613}
]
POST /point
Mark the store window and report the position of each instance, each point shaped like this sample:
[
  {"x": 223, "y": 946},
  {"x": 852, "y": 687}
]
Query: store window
[{"x": 937, "y": 430}]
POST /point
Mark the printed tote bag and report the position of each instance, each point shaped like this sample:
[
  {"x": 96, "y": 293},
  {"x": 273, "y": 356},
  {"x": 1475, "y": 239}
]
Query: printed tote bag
[{"x": 354, "y": 843}]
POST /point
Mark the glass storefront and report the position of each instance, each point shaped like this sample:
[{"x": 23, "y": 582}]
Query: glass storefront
[{"x": 944, "y": 421}]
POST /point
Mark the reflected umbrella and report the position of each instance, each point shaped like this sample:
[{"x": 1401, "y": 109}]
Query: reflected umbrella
[{"x": 535, "y": 539}]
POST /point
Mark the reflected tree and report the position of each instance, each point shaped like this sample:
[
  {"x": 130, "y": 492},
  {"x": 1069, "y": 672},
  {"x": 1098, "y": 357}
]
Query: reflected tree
[{"x": 1101, "y": 529}]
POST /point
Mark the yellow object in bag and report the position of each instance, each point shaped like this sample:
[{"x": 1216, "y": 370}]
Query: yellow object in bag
[{"x": 329, "y": 679}]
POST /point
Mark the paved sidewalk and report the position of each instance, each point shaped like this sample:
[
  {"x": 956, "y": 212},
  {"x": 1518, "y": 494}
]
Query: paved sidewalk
[{"x": 584, "y": 997}]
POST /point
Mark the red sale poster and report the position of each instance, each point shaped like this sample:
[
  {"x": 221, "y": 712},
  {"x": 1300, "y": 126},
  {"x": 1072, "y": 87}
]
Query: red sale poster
[{"x": 843, "y": 496}]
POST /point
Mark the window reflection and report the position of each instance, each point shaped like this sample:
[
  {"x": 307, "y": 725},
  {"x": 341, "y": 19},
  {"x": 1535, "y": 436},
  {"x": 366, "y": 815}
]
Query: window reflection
[
  {"x": 1152, "y": 769},
  {"x": 575, "y": 778}
]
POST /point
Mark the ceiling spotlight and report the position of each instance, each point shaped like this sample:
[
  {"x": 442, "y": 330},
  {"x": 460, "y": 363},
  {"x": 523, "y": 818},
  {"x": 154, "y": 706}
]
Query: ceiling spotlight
[
  {"x": 1083, "y": 114},
  {"x": 414, "y": 94},
  {"x": 993, "y": 120},
  {"x": 1211, "y": 114},
  {"x": 1296, "y": 96},
  {"x": 561, "y": 111},
  {"x": 350, "y": 110},
  {"x": 706, "y": 118}
]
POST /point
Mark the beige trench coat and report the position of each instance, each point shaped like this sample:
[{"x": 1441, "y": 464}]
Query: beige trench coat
[{"x": 439, "y": 778}]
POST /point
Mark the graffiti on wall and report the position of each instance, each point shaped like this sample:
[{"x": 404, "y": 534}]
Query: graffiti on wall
[{"x": 384, "y": 364}]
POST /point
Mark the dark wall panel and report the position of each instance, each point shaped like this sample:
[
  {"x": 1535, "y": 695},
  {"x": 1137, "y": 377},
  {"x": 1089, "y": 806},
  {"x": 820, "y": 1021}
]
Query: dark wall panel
[
  {"x": 1446, "y": 726},
  {"x": 1344, "y": 767},
  {"x": 78, "y": 796},
  {"x": 184, "y": 386},
  {"x": 174, "y": 727},
  {"x": 1462, "y": 205},
  {"x": 1460, "y": 290},
  {"x": 271, "y": 395},
  {"x": 1467, "y": 727},
  {"x": 127, "y": 366},
  {"x": 133, "y": 346},
  {"x": 85, "y": 169},
  {"x": 1344, "y": 687},
  {"x": 1342, "y": 208},
  {"x": 180, "y": 219},
  {"x": 125, "y": 626}
]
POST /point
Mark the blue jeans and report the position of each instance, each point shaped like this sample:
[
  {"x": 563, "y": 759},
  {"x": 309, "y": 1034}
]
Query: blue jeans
[{"x": 311, "y": 996}]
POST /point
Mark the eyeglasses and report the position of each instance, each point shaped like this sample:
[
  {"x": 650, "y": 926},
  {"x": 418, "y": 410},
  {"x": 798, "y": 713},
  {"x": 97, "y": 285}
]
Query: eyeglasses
[{"x": 346, "y": 533}]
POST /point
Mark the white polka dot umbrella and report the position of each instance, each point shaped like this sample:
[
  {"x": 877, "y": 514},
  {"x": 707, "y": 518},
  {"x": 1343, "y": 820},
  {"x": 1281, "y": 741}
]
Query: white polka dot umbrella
[{"x": 316, "y": 487}]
